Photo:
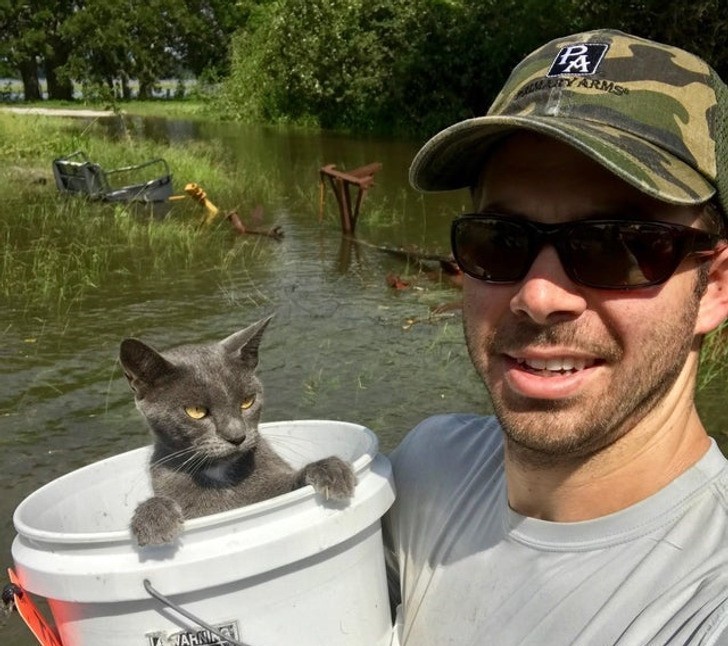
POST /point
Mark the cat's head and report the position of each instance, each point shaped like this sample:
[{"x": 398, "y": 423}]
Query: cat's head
[{"x": 204, "y": 399}]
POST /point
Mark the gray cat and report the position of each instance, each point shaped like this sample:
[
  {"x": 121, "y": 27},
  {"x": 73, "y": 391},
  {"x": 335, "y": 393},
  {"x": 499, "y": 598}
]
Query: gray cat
[{"x": 203, "y": 404}]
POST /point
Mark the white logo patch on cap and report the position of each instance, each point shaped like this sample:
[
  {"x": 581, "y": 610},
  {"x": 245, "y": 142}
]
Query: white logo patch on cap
[{"x": 582, "y": 59}]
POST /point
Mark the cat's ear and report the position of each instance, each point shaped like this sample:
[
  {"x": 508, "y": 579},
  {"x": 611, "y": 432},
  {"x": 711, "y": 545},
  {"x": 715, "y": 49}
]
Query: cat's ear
[
  {"x": 245, "y": 343},
  {"x": 143, "y": 365}
]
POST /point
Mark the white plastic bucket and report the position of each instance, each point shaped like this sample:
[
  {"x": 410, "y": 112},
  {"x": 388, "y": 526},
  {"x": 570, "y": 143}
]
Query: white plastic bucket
[{"x": 289, "y": 570}]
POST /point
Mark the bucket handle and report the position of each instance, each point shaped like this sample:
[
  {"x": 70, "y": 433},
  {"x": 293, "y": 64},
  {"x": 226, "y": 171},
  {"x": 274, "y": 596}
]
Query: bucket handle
[{"x": 188, "y": 615}]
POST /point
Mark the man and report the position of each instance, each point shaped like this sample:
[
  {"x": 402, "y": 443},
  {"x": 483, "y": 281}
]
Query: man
[{"x": 593, "y": 509}]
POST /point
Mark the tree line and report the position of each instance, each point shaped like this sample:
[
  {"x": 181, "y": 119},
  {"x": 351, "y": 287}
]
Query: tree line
[
  {"x": 384, "y": 65},
  {"x": 103, "y": 45}
]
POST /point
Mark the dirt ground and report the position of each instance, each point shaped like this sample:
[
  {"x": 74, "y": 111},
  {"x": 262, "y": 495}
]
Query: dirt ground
[{"x": 59, "y": 112}]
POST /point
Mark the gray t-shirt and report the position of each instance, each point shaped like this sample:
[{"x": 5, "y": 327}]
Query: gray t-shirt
[{"x": 474, "y": 572}]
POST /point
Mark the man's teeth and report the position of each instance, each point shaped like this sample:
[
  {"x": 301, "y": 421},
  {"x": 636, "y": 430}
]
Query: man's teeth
[{"x": 557, "y": 365}]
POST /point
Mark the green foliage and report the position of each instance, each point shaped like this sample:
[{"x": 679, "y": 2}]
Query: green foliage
[
  {"x": 107, "y": 43},
  {"x": 124, "y": 41},
  {"x": 417, "y": 66},
  {"x": 380, "y": 65},
  {"x": 700, "y": 27},
  {"x": 326, "y": 62},
  {"x": 714, "y": 357},
  {"x": 364, "y": 65}
]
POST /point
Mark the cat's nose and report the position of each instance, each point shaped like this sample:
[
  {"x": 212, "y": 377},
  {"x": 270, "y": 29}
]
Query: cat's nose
[{"x": 237, "y": 441}]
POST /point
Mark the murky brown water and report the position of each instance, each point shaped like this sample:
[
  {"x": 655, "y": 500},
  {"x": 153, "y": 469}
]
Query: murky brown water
[{"x": 342, "y": 345}]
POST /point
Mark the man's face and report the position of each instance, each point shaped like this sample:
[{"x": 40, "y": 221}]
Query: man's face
[{"x": 570, "y": 369}]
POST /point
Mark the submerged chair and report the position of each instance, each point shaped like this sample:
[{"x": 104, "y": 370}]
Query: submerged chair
[{"x": 149, "y": 181}]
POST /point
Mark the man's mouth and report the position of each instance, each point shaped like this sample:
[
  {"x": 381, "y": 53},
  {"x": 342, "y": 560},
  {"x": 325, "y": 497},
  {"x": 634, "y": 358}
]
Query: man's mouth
[{"x": 555, "y": 365}]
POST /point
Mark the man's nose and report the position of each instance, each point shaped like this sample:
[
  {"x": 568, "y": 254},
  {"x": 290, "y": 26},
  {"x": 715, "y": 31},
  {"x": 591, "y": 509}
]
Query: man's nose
[{"x": 547, "y": 295}]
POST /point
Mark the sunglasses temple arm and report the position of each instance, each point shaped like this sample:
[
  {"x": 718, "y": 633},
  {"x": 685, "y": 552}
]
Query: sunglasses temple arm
[{"x": 709, "y": 253}]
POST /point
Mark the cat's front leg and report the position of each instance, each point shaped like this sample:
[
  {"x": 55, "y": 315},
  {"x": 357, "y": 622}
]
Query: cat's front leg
[
  {"x": 331, "y": 477},
  {"x": 156, "y": 521}
]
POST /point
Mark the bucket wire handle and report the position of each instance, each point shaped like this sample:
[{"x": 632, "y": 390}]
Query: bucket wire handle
[{"x": 187, "y": 614}]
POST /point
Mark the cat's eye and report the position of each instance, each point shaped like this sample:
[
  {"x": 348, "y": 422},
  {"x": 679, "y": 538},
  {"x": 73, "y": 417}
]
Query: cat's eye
[
  {"x": 196, "y": 412},
  {"x": 247, "y": 403}
]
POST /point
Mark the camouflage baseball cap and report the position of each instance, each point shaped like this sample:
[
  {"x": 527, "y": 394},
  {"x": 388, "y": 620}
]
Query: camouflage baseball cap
[{"x": 654, "y": 115}]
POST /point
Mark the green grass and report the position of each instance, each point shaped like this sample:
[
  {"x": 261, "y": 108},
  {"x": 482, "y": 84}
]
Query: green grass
[
  {"x": 55, "y": 254},
  {"x": 56, "y": 249},
  {"x": 714, "y": 357},
  {"x": 171, "y": 109}
]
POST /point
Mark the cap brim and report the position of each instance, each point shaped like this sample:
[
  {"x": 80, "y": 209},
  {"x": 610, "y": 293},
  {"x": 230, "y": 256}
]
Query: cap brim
[{"x": 454, "y": 158}]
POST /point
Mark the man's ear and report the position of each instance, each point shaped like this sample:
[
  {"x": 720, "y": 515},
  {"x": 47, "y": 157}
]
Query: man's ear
[{"x": 714, "y": 303}]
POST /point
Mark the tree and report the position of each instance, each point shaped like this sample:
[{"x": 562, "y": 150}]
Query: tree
[
  {"x": 121, "y": 41},
  {"x": 56, "y": 51},
  {"x": 21, "y": 43},
  {"x": 137, "y": 39},
  {"x": 700, "y": 27},
  {"x": 419, "y": 65},
  {"x": 329, "y": 61},
  {"x": 30, "y": 41},
  {"x": 381, "y": 64},
  {"x": 204, "y": 34}
]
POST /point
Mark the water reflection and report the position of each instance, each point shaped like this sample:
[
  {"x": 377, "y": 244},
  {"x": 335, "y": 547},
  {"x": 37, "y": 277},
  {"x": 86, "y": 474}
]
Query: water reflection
[{"x": 153, "y": 128}]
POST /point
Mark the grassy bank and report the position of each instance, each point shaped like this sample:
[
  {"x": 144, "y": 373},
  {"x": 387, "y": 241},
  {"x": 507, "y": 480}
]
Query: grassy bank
[{"x": 56, "y": 249}]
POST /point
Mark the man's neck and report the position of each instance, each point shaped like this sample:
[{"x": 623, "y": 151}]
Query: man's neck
[{"x": 640, "y": 463}]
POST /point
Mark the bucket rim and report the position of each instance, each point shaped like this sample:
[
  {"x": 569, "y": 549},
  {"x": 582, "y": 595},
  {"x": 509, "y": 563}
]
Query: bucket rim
[{"x": 25, "y": 531}]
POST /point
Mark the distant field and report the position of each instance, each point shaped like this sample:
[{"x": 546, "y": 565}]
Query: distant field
[
  {"x": 12, "y": 89},
  {"x": 166, "y": 102},
  {"x": 185, "y": 109}
]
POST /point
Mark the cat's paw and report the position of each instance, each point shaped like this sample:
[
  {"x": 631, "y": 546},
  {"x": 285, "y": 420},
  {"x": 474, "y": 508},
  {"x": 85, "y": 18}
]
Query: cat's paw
[
  {"x": 157, "y": 521},
  {"x": 331, "y": 477}
]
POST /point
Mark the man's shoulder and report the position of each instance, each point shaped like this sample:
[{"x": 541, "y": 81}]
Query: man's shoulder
[
  {"x": 450, "y": 432},
  {"x": 702, "y": 491},
  {"x": 445, "y": 446},
  {"x": 447, "y": 466},
  {"x": 713, "y": 467}
]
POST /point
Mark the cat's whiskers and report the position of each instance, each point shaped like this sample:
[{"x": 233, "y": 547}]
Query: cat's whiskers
[
  {"x": 192, "y": 466},
  {"x": 174, "y": 456},
  {"x": 195, "y": 463}
]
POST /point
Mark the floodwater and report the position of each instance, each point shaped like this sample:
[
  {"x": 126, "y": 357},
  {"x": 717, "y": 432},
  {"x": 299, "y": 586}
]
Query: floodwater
[{"x": 343, "y": 345}]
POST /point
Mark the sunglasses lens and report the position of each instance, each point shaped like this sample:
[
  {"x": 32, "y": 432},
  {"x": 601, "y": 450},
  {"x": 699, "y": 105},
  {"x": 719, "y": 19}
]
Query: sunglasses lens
[
  {"x": 620, "y": 254},
  {"x": 606, "y": 254},
  {"x": 494, "y": 250}
]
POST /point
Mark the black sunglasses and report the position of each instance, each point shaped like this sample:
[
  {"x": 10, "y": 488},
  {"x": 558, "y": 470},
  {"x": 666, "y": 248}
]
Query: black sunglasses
[{"x": 605, "y": 254}]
